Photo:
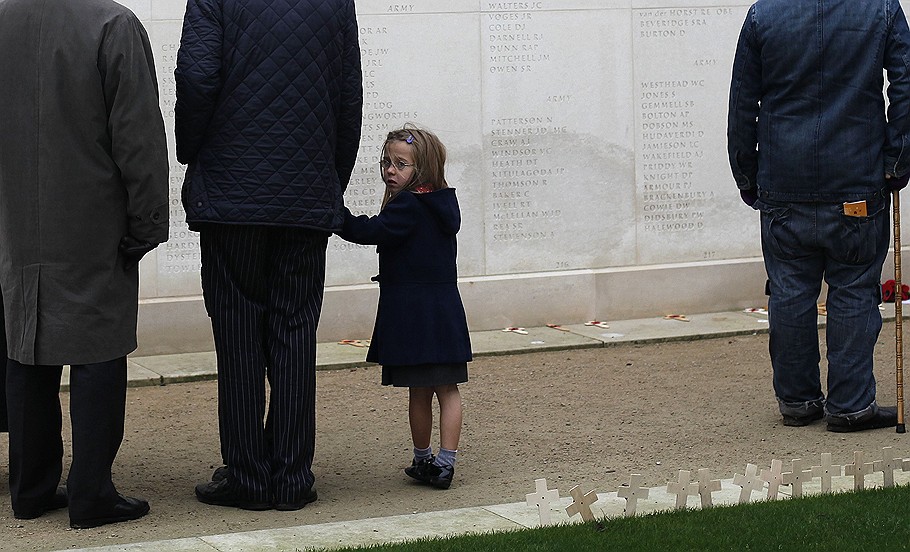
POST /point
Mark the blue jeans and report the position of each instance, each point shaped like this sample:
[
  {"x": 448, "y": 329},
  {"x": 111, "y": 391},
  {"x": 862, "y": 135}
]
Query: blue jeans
[{"x": 803, "y": 243}]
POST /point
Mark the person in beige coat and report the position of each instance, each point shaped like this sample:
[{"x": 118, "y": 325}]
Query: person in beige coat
[{"x": 83, "y": 195}]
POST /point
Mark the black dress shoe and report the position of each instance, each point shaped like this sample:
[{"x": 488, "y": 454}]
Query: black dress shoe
[
  {"x": 125, "y": 509},
  {"x": 308, "y": 496},
  {"x": 800, "y": 421},
  {"x": 219, "y": 474},
  {"x": 56, "y": 502},
  {"x": 885, "y": 416},
  {"x": 219, "y": 493}
]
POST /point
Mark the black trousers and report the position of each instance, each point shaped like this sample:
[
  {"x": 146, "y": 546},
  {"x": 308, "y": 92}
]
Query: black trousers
[
  {"x": 263, "y": 290},
  {"x": 4, "y": 423},
  {"x": 97, "y": 409}
]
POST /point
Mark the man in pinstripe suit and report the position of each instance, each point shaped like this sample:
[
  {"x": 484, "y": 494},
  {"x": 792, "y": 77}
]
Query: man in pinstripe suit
[{"x": 268, "y": 119}]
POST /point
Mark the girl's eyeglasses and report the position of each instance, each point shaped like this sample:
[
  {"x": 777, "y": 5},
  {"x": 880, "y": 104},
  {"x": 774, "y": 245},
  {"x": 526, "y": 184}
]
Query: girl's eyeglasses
[{"x": 399, "y": 165}]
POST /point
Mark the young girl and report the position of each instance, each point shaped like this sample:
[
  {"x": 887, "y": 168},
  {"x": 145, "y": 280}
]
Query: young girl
[{"x": 420, "y": 336}]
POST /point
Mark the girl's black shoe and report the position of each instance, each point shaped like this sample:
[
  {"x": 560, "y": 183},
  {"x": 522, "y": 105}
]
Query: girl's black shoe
[
  {"x": 417, "y": 469},
  {"x": 439, "y": 476},
  {"x": 429, "y": 473}
]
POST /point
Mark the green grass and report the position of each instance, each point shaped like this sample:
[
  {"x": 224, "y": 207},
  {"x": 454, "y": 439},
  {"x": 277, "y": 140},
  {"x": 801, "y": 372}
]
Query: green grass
[{"x": 871, "y": 520}]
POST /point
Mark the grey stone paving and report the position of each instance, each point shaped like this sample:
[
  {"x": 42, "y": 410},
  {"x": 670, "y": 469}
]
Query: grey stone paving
[
  {"x": 481, "y": 519},
  {"x": 162, "y": 370}
]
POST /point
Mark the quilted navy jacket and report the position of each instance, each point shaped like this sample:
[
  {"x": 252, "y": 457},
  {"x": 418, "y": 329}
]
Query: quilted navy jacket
[
  {"x": 420, "y": 318},
  {"x": 268, "y": 111}
]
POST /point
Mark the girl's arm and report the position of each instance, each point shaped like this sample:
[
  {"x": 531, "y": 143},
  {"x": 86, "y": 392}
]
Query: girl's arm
[{"x": 392, "y": 225}]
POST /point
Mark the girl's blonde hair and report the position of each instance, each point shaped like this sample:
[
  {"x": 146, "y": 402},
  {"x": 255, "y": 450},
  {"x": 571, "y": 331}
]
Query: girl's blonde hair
[{"x": 429, "y": 158}]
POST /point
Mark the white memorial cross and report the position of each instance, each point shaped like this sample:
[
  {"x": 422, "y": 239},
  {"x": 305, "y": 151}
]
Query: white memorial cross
[
  {"x": 542, "y": 498},
  {"x": 581, "y": 503},
  {"x": 826, "y": 471},
  {"x": 774, "y": 478},
  {"x": 632, "y": 493},
  {"x": 706, "y": 486},
  {"x": 887, "y": 465},
  {"x": 859, "y": 470},
  {"x": 682, "y": 488},
  {"x": 749, "y": 482},
  {"x": 802, "y": 473}
]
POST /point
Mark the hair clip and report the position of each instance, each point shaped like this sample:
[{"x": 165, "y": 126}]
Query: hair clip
[{"x": 410, "y": 139}]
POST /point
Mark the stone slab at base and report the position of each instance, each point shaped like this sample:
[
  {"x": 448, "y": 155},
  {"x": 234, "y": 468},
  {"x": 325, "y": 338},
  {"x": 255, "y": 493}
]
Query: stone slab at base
[{"x": 180, "y": 324}]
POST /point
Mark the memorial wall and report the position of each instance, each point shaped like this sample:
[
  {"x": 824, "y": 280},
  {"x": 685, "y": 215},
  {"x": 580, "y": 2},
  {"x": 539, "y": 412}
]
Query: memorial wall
[{"x": 586, "y": 141}]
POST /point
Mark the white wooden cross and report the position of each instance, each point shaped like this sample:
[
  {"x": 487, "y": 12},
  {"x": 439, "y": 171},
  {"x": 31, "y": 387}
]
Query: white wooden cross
[
  {"x": 542, "y": 498},
  {"x": 802, "y": 473},
  {"x": 774, "y": 478},
  {"x": 749, "y": 482},
  {"x": 859, "y": 470},
  {"x": 581, "y": 503},
  {"x": 706, "y": 486},
  {"x": 826, "y": 471},
  {"x": 887, "y": 465},
  {"x": 632, "y": 493},
  {"x": 682, "y": 488}
]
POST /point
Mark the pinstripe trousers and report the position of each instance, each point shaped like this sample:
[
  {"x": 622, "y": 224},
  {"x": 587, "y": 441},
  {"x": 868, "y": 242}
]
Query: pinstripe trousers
[{"x": 263, "y": 289}]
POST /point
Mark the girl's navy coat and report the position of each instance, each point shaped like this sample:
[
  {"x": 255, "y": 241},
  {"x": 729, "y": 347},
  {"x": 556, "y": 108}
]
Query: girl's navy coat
[{"x": 420, "y": 319}]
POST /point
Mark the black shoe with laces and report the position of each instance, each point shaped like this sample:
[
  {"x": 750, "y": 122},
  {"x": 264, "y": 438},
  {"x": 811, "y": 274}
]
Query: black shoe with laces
[
  {"x": 307, "y": 497},
  {"x": 126, "y": 508},
  {"x": 417, "y": 469},
  {"x": 220, "y": 493},
  {"x": 426, "y": 471},
  {"x": 800, "y": 421},
  {"x": 440, "y": 476},
  {"x": 57, "y": 501},
  {"x": 220, "y": 473},
  {"x": 885, "y": 416}
]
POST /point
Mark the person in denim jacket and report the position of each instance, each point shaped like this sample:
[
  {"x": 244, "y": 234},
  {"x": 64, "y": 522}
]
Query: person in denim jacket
[{"x": 813, "y": 147}]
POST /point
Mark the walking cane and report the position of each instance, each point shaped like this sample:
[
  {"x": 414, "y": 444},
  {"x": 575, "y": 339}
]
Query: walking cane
[{"x": 898, "y": 313}]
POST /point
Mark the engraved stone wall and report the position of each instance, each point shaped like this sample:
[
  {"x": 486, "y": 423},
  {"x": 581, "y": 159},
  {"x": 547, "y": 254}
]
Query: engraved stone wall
[{"x": 585, "y": 138}]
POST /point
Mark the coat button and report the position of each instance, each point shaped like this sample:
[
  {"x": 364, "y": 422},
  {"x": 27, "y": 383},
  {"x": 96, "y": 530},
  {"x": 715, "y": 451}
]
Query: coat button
[{"x": 198, "y": 204}]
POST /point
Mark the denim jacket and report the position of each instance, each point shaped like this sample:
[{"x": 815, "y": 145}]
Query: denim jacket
[{"x": 806, "y": 119}]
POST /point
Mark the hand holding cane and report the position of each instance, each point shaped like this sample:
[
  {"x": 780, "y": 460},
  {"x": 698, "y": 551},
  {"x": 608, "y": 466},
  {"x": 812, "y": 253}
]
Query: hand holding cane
[{"x": 898, "y": 313}]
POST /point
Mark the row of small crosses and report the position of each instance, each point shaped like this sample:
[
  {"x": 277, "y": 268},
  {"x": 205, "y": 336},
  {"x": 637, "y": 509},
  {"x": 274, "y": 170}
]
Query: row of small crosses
[{"x": 751, "y": 481}]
